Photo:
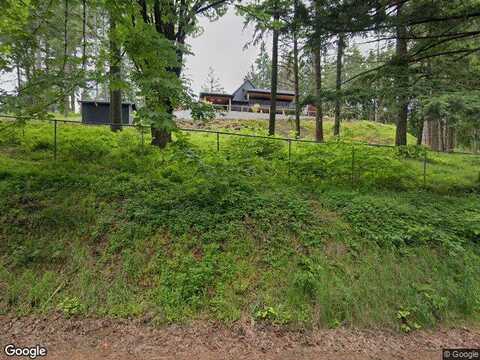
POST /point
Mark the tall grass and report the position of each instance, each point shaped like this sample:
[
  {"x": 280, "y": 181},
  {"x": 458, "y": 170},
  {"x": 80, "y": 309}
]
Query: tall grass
[{"x": 114, "y": 228}]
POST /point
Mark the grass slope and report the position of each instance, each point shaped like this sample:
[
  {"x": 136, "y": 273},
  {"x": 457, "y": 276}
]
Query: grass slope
[
  {"x": 363, "y": 131},
  {"x": 116, "y": 229}
]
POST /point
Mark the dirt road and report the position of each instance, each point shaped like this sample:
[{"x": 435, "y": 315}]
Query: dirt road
[{"x": 96, "y": 339}]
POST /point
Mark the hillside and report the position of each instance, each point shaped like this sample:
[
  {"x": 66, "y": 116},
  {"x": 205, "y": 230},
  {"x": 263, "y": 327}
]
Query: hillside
[
  {"x": 117, "y": 229},
  {"x": 363, "y": 131}
]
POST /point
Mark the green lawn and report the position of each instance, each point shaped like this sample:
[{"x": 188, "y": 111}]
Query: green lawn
[{"x": 114, "y": 228}]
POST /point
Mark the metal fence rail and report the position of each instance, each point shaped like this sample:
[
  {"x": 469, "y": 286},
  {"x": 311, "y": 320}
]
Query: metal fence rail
[
  {"x": 66, "y": 121},
  {"x": 218, "y": 133}
]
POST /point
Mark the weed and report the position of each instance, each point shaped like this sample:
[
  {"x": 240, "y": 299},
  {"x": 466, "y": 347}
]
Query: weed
[{"x": 70, "y": 306}]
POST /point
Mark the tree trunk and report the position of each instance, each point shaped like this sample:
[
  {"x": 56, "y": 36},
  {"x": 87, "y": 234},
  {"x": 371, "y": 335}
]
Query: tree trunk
[
  {"x": 431, "y": 134},
  {"x": 115, "y": 77},
  {"x": 161, "y": 137},
  {"x": 450, "y": 139},
  {"x": 475, "y": 141},
  {"x": 66, "y": 102},
  {"x": 421, "y": 126},
  {"x": 426, "y": 135},
  {"x": 338, "y": 88},
  {"x": 66, "y": 105},
  {"x": 296, "y": 80},
  {"x": 295, "y": 72},
  {"x": 441, "y": 135},
  {"x": 19, "y": 78},
  {"x": 402, "y": 81},
  {"x": 83, "y": 94},
  {"x": 84, "y": 35},
  {"x": 72, "y": 102},
  {"x": 273, "y": 87},
  {"x": 435, "y": 131},
  {"x": 318, "y": 94}
]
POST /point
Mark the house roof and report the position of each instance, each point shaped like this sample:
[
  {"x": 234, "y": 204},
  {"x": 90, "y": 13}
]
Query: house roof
[
  {"x": 244, "y": 82},
  {"x": 267, "y": 91},
  {"x": 247, "y": 87},
  {"x": 103, "y": 102},
  {"x": 203, "y": 93}
]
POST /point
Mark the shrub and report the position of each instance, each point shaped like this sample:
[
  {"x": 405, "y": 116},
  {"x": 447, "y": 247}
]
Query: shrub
[{"x": 70, "y": 306}]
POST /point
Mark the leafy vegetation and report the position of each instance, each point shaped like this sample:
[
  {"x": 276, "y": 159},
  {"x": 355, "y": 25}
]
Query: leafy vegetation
[
  {"x": 114, "y": 228},
  {"x": 421, "y": 71}
]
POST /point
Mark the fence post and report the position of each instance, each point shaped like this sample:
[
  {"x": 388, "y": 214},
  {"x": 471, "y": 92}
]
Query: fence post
[
  {"x": 353, "y": 165},
  {"x": 218, "y": 141},
  {"x": 425, "y": 168},
  {"x": 55, "y": 139},
  {"x": 289, "y": 155}
]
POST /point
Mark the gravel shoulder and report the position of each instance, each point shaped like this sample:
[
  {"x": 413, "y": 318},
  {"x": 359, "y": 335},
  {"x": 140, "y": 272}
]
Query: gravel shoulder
[{"x": 94, "y": 339}]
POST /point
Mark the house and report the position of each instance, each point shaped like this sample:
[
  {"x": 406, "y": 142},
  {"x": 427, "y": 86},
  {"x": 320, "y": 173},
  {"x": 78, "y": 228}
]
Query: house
[
  {"x": 249, "y": 98},
  {"x": 98, "y": 112}
]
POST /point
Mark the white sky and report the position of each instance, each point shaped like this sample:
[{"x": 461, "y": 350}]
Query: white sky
[
  {"x": 221, "y": 47},
  {"x": 8, "y": 81}
]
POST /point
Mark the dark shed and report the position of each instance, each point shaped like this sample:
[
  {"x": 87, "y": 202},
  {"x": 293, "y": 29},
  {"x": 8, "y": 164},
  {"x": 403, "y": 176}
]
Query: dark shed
[{"x": 98, "y": 112}]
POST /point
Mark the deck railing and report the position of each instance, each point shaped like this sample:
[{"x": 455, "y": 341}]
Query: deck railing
[{"x": 281, "y": 110}]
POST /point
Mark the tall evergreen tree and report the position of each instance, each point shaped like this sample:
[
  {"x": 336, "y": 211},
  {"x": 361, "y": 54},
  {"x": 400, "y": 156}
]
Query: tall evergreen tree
[
  {"x": 115, "y": 78},
  {"x": 260, "y": 73},
  {"x": 268, "y": 15},
  {"x": 274, "y": 82},
  {"x": 338, "y": 86},
  {"x": 212, "y": 83}
]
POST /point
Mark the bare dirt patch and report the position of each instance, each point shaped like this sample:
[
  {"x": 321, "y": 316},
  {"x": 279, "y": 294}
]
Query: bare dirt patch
[{"x": 94, "y": 339}]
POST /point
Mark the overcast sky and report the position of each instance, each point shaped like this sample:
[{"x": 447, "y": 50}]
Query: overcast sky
[{"x": 221, "y": 47}]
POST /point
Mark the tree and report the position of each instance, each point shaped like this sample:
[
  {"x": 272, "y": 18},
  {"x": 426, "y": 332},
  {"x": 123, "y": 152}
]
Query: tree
[
  {"x": 260, "y": 73},
  {"x": 39, "y": 44},
  {"x": 295, "y": 29},
  {"x": 402, "y": 78},
  {"x": 115, "y": 79},
  {"x": 426, "y": 82},
  {"x": 150, "y": 35},
  {"x": 172, "y": 21},
  {"x": 212, "y": 83},
  {"x": 268, "y": 15},
  {"x": 451, "y": 27},
  {"x": 317, "y": 55},
  {"x": 274, "y": 83},
  {"x": 338, "y": 87}
]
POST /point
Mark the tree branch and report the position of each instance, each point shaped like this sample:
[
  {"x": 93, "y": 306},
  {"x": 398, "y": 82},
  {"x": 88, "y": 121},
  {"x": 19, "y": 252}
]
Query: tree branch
[{"x": 206, "y": 7}]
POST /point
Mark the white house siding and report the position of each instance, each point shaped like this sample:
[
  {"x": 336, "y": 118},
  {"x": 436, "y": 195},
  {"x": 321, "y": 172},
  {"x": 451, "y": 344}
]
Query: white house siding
[{"x": 233, "y": 115}]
